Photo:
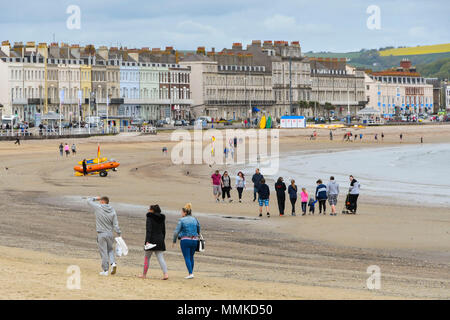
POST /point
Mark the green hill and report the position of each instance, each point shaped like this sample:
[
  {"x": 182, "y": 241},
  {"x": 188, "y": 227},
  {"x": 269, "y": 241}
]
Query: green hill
[
  {"x": 437, "y": 69},
  {"x": 371, "y": 59}
]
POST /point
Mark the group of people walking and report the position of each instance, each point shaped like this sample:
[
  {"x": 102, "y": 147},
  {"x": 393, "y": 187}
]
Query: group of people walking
[
  {"x": 65, "y": 149},
  {"x": 261, "y": 192},
  {"x": 187, "y": 231}
]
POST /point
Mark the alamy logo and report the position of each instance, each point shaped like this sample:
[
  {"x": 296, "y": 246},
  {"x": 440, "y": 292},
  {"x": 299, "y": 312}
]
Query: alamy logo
[
  {"x": 74, "y": 20},
  {"x": 374, "y": 20},
  {"x": 228, "y": 149},
  {"x": 74, "y": 278},
  {"x": 374, "y": 280}
]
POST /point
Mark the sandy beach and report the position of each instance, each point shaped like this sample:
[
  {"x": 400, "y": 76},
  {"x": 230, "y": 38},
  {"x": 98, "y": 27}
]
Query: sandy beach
[{"x": 45, "y": 226}]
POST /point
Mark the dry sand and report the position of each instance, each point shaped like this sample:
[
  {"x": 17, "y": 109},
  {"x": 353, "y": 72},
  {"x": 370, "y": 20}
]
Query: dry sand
[{"x": 45, "y": 227}]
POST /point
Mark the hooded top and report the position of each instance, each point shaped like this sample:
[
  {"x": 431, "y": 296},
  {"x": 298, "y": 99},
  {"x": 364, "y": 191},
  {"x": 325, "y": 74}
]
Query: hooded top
[
  {"x": 263, "y": 191},
  {"x": 105, "y": 217},
  {"x": 156, "y": 230},
  {"x": 292, "y": 192},
  {"x": 321, "y": 192},
  {"x": 333, "y": 188},
  {"x": 280, "y": 188},
  {"x": 354, "y": 187}
]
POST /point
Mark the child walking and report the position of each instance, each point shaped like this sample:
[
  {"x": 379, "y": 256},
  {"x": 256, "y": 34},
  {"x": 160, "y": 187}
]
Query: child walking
[{"x": 304, "y": 198}]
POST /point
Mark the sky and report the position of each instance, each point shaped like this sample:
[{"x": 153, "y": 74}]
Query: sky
[{"x": 321, "y": 25}]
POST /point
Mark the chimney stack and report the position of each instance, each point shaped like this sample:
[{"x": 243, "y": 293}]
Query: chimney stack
[{"x": 6, "y": 47}]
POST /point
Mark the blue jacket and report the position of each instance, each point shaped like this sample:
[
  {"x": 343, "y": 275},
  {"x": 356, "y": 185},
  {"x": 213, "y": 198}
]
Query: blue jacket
[
  {"x": 187, "y": 227},
  {"x": 292, "y": 192},
  {"x": 321, "y": 192}
]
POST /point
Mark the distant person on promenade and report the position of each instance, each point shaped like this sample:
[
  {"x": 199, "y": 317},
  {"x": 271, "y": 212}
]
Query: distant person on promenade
[
  {"x": 292, "y": 191},
  {"x": 376, "y": 137},
  {"x": 74, "y": 149},
  {"x": 256, "y": 179},
  {"x": 67, "y": 149},
  {"x": 354, "y": 194},
  {"x": 304, "y": 199},
  {"x": 263, "y": 197},
  {"x": 225, "y": 184},
  {"x": 216, "y": 182},
  {"x": 360, "y": 136},
  {"x": 105, "y": 221},
  {"x": 61, "y": 149},
  {"x": 401, "y": 137},
  {"x": 188, "y": 231},
  {"x": 240, "y": 184},
  {"x": 280, "y": 188},
  {"x": 17, "y": 141},
  {"x": 155, "y": 233},
  {"x": 321, "y": 196},
  {"x": 333, "y": 192},
  {"x": 382, "y": 136},
  {"x": 421, "y": 139}
]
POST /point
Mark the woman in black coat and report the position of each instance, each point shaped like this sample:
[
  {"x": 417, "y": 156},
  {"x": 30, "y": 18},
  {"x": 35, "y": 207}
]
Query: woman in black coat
[{"x": 154, "y": 239}]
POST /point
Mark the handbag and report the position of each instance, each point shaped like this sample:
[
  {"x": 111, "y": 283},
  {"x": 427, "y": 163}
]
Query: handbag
[
  {"x": 201, "y": 244},
  {"x": 201, "y": 241}
]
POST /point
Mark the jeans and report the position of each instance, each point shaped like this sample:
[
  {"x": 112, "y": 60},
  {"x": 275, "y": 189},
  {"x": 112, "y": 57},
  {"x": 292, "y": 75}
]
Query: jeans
[
  {"x": 226, "y": 191},
  {"x": 322, "y": 204},
  {"x": 293, "y": 201},
  {"x": 188, "y": 248},
  {"x": 304, "y": 207},
  {"x": 239, "y": 189},
  {"x": 255, "y": 192},
  {"x": 281, "y": 203}
]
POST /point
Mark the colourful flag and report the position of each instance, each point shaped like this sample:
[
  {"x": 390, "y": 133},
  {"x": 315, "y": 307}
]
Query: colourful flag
[{"x": 98, "y": 151}]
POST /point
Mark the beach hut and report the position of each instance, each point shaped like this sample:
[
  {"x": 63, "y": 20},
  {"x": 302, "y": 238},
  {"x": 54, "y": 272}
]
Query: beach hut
[
  {"x": 370, "y": 116},
  {"x": 293, "y": 122}
]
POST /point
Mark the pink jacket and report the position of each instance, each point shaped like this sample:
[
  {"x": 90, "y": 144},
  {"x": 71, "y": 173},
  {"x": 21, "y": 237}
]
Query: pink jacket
[{"x": 304, "y": 196}]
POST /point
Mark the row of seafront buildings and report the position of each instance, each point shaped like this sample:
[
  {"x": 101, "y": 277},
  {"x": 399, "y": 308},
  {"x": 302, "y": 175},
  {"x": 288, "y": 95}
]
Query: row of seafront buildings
[{"x": 236, "y": 83}]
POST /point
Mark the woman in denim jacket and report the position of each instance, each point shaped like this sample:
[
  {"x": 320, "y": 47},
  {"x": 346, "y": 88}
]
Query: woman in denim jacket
[{"x": 188, "y": 231}]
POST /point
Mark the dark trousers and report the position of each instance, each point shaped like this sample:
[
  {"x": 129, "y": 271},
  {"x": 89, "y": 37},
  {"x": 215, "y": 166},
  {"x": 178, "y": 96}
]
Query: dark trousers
[
  {"x": 281, "y": 203},
  {"x": 293, "y": 201},
  {"x": 240, "y": 192},
  {"x": 353, "y": 198},
  {"x": 322, "y": 204},
  {"x": 255, "y": 192},
  {"x": 226, "y": 190},
  {"x": 188, "y": 248},
  {"x": 304, "y": 207}
]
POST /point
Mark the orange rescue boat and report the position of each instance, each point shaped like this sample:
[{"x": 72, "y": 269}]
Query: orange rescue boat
[{"x": 101, "y": 168}]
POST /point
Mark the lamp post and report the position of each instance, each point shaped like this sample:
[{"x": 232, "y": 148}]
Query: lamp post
[{"x": 107, "y": 113}]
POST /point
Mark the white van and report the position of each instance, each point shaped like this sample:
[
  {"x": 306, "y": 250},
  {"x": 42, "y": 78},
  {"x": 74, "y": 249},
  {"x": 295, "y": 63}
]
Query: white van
[{"x": 205, "y": 118}]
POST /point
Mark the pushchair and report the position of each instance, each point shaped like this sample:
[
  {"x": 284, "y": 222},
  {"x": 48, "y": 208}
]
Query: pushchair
[{"x": 348, "y": 206}]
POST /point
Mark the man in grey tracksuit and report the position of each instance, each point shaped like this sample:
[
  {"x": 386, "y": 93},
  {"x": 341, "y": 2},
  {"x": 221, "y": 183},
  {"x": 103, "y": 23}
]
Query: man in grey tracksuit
[
  {"x": 105, "y": 221},
  {"x": 333, "y": 192}
]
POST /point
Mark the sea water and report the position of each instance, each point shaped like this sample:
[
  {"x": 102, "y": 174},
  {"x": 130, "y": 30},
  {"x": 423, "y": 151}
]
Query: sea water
[{"x": 409, "y": 174}]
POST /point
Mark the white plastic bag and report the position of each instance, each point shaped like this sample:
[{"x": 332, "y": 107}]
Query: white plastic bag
[
  {"x": 123, "y": 246},
  {"x": 118, "y": 250}
]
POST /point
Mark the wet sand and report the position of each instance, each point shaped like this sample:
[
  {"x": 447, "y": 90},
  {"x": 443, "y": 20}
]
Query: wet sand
[{"x": 280, "y": 258}]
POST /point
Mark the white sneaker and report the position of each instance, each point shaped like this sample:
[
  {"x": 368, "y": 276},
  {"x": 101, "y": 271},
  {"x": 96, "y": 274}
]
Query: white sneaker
[
  {"x": 104, "y": 273},
  {"x": 113, "y": 268},
  {"x": 149, "y": 246},
  {"x": 191, "y": 276}
]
